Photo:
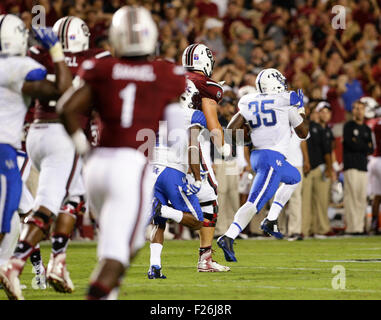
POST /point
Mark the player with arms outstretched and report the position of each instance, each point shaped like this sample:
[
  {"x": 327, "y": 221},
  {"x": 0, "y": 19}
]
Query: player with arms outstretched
[
  {"x": 21, "y": 79},
  {"x": 199, "y": 61},
  {"x": 131, "y": 94},
  {"x": 270, "y": 113}
]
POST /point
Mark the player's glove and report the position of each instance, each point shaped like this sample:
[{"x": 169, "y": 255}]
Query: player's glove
[
  {"x": 301, "y": 101},
  {"x": 192, "y": 188},
  {"x": 204, "y": 174},
  {"x": 50, "y": 41}
]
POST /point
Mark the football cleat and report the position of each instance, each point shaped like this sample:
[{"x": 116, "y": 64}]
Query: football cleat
[
  {"x": 155, "y": 273},
  {"x": 156, "y": 208},
  {"x": 9, "y": 273},
  {"x": 40, "y": 278},
  {"x": 271, "y": 228},
  {"x": 207, "y": 264},
  {"x": 57, "y": 275},
  {"x": 226, "y": 244}
]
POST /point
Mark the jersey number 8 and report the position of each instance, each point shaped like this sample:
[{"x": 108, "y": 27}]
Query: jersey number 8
[{"x": 268, "y": 115}]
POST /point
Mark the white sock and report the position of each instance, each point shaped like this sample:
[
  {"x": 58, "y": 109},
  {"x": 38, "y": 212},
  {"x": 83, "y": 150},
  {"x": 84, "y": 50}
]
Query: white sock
[
  {"x": 9, "y": 243},
  {"x": 281, "y": 197},
  {"x": 241, "y": 219},
  {"x": 170, "y": 213},
  {"x": 155, "y": 258}
]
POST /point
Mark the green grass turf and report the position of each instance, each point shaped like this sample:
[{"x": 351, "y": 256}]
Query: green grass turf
[{"x": 266, "y": 269}]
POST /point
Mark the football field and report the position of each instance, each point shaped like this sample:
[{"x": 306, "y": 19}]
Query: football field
[{"x": 318, "y": 269}]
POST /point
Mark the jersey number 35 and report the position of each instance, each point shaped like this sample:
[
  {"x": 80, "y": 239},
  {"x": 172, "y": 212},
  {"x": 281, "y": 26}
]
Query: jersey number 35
[{"x": 264, "y": 116}]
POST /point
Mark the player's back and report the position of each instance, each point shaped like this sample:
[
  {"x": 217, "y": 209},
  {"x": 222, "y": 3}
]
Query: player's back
[
  {"x": 13, "y": 104},
  {"x": 176, "y": 156},
  {"x": 46, "y": 109},
  {"x": 268, "y": 117},
  {"x": 130, "y": 96}
]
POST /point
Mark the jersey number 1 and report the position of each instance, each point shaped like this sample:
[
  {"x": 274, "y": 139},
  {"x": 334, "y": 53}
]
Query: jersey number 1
[{"x": 128, "y": 96}]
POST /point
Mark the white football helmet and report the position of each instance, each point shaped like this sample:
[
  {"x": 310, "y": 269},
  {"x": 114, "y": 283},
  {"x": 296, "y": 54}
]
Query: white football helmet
[
  {"x": 370, "y": 106},
  {"x": 191, "y": 97},
  {"x": 246, "y": 90},
  {"x": 13, "y": 35},
  {"x": 133, "y": 32},
  {"x": 198, "y": 57},
  {"x": 73, "y": 34},
  {"x": 271, "y": 81}
]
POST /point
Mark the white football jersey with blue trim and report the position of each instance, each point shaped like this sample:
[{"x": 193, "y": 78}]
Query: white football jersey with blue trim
[
  {"x": 271, "y": 117},
  {"x": 176, "y": 156},
  {"x": 13, "y": 104}
]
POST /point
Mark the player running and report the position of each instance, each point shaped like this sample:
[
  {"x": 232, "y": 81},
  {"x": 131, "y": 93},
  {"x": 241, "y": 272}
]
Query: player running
[
  {"x": 270, "y": 114},
  {"x": 53, "y": 154},
  {"x": 131, "y": 94},
  {"x": 21, "y": 79},
  {"x": 199, "y": 61},
  {"x": 172, "y": 185}
]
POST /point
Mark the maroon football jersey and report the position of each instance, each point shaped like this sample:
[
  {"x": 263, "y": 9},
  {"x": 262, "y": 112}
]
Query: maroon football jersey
[
  {"x": 207, "y": 87},
  {"x": 47, "y": 110},
  {"x": 131, "y": 95}
]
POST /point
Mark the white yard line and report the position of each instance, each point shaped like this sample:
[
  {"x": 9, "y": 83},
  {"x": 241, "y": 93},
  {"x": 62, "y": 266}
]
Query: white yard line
[
  {"x": 328, "y": 269},
  {"x": 176, "y": 285}
]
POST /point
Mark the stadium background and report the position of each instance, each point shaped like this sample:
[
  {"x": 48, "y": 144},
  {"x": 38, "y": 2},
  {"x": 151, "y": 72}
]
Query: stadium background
[{"x": 295, "y": 37}]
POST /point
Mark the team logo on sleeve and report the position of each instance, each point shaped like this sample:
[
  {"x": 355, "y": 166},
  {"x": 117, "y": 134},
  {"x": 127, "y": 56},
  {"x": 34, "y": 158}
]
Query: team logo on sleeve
[
  {"x": 219, "y": 94},
  {"x": 179, "y": 70},
  {"x": 88, "y": 65}
]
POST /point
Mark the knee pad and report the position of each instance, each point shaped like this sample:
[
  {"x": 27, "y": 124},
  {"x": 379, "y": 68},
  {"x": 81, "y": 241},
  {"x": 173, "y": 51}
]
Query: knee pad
[
  {"x": 74, "y": 207},
  {"x": 41, "y": 220},
  {"x": 211, "y": 217}
]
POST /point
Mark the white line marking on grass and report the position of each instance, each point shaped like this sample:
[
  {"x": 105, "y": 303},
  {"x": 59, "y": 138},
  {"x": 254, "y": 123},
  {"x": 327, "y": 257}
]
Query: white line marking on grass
[
  {"x": 268, "y": 267},
  {"x": 176, "y": 285},
  {"x": 354, "y": 260}
]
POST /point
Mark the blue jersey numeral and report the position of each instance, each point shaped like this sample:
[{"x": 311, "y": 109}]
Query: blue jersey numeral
[{"x": 267, "y": 122}]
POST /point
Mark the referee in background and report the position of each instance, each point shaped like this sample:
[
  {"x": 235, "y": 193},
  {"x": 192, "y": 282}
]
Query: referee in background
[{"x": 357, "y": 145}]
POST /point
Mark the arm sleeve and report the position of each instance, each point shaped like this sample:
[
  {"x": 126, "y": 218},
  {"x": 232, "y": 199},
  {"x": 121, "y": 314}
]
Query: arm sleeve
[
  {"x": 199, "y": 119},
  {"x": 210, "y": 90},
  {"x": 294, "y": 117},
  {"x": 30, "y": 70},
  {"x": 36, "y": 75},
  {"x": 87, "y": 70}
]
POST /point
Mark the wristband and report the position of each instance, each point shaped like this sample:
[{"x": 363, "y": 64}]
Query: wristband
[
  {"x": 225, "y": 150},
  {"x": 80, "y": 142},
  {"x": 301, "y": 110},
  {"x": 56, "y": 53}
]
